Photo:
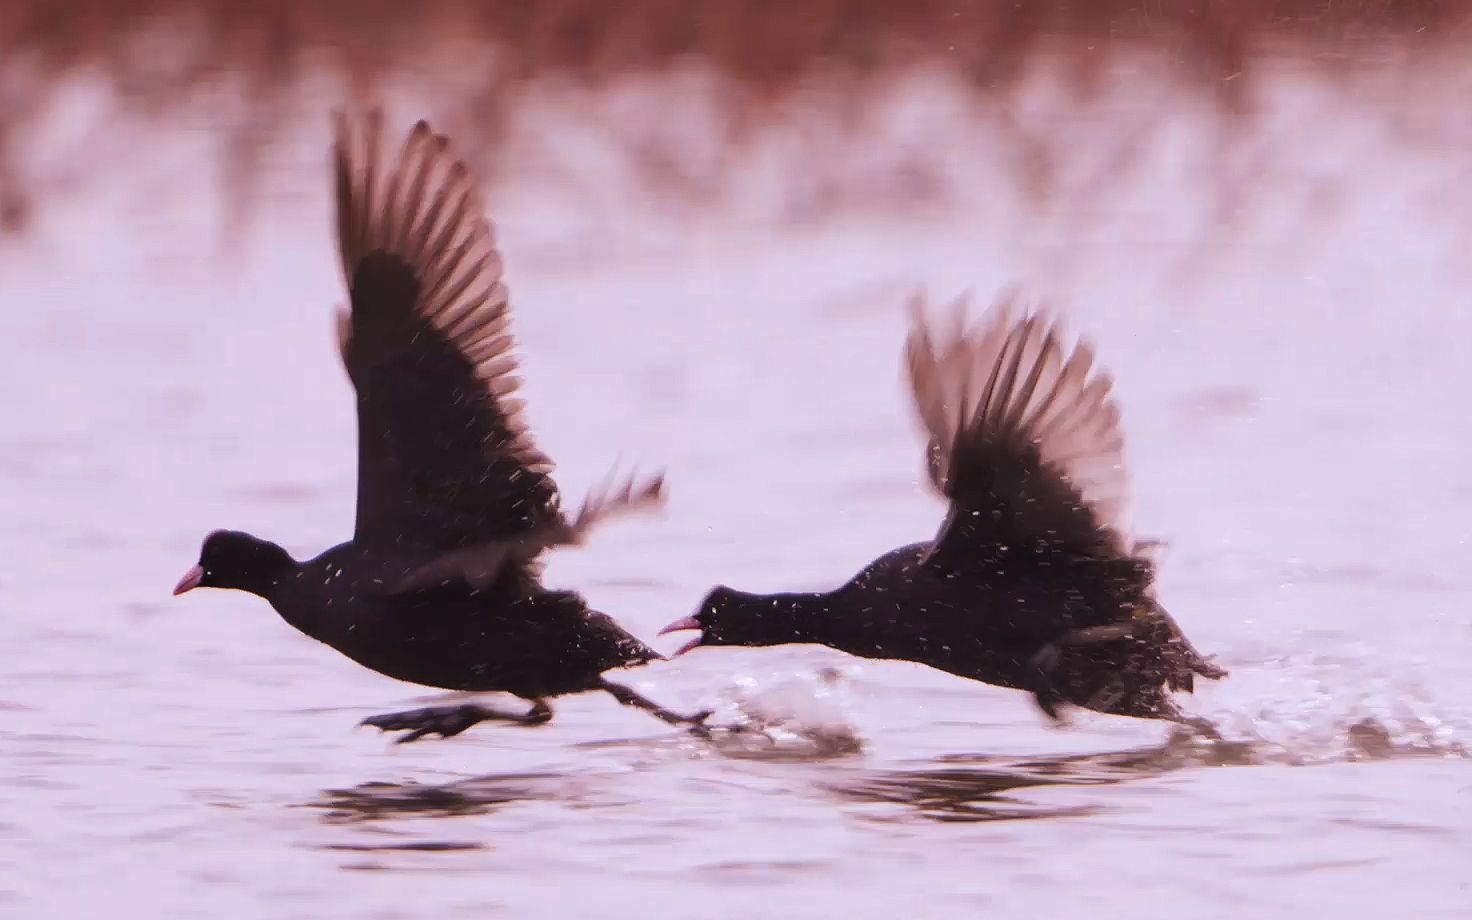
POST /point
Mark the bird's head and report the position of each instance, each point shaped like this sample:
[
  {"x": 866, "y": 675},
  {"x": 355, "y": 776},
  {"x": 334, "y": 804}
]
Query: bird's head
[
  {"x": 731, "y": 617},
  {"x": 232, "y": 559}
]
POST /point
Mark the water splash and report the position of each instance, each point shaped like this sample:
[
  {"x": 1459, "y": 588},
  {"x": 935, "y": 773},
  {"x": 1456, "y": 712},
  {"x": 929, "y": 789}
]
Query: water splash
[
  {"x": 1334, "y": 708},
  {"x": 1301, "y": 710},
  {"x": 786, "y": 715}
]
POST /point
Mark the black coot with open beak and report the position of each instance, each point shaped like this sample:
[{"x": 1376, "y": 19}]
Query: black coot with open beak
[{"x": 1030, "y": 582}]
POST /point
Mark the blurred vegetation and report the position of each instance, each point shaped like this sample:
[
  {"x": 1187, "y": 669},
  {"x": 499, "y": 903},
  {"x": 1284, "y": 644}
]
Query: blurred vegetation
[{"x": 161, "y": 56}]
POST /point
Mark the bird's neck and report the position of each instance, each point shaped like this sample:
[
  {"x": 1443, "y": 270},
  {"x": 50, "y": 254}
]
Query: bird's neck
[
  {"x": 259, "y": 585},
  {"x": 303, "y": 609},
  {"x": 266, "y": 578},
  {"x": 790, "y": 617}
]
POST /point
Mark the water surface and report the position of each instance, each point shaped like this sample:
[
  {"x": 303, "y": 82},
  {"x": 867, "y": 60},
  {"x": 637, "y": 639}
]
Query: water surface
[{"x": 1293, "y": 408}]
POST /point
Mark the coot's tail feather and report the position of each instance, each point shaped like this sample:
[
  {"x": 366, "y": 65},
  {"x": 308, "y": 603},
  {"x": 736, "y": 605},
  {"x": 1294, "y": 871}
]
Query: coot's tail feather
[{"x": 615, "y": 496}]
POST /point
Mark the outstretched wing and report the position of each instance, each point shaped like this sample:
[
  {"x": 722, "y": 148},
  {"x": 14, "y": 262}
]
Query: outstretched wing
[
  {"x": 1024, "y": 437},
  {"x": 444, "y": 457}
]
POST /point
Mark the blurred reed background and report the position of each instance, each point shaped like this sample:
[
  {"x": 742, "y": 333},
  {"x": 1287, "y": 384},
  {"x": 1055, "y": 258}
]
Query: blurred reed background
[{"x": 245, "y": 66}]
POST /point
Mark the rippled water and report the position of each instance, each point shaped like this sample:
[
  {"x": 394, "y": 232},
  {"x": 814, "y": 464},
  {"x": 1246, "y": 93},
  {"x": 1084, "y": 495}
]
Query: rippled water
[{"x": 1296, "y": 430}]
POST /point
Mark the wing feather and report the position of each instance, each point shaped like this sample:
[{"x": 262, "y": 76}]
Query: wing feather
[
  {"x": 447, "y": 463},
  {"x": 1019, "y": 426}
]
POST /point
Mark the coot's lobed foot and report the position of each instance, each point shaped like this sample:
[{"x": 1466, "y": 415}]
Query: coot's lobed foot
[{"x": 448, "y": 721}]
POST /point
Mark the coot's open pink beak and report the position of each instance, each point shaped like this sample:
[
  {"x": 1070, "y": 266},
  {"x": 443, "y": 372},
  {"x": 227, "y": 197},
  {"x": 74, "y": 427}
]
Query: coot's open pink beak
[
  {"x": 190, "y": 581},
  {"x": 680, "y": 625}
]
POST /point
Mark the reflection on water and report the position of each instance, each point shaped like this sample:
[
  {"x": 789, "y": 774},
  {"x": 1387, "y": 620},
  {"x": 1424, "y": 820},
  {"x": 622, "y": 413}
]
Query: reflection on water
[
  {"x": 974, "y": 787},
  {"x": 426, "y": 846},
  {"x": 953, "y": 788},
  {"x": 969, "y": 787},
  {"x": 377, "y": 801},
  {"x": 961, "y": 794}
]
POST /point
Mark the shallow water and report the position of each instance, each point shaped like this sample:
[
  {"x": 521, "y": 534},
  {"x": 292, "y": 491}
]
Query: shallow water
[{"x": 1294, "y": 417}]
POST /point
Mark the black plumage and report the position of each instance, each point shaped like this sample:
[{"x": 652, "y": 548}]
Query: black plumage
[
  {"x": 440, "y": 584},
  {"x": 1029, "y": 582}
]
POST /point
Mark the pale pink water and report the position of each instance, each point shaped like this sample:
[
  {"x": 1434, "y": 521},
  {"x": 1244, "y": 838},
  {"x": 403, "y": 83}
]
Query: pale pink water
[{"x": 1294, "y": 403}]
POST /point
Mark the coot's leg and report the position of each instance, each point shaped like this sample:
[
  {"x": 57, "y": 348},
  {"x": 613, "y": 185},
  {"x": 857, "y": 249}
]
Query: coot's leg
[
  {"x": 1165, "y": 709},
  {"x": 1156, "y": 705},
  {"x": 1043, "y": 666},
  {"x": 447, "y": 721},
  {"x": 630, "y": 698},
  {"x": 1048, "y": 698},
  {"x": 1040, "y": 673},
  {"x": 1203, "y": 727}
]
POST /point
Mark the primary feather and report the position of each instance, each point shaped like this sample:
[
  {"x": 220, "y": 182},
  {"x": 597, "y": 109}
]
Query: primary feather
[{"x": 446, "y": 462}]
